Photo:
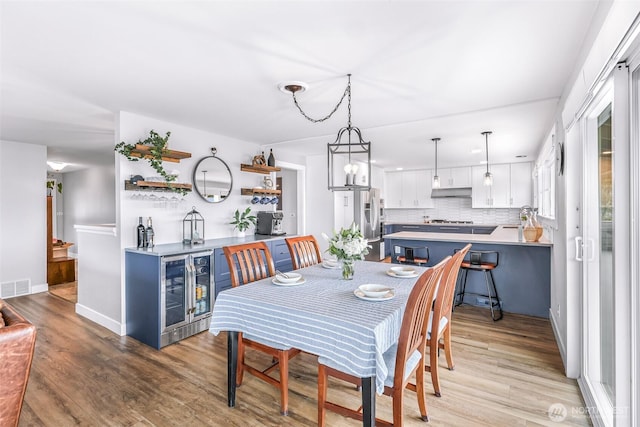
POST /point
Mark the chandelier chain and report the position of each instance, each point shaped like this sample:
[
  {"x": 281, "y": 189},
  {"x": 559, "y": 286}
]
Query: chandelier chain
[{"x": 311, "y": 119}]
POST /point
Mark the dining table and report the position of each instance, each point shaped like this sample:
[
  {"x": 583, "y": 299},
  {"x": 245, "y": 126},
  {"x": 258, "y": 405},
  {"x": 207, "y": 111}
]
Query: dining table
[{"x": 322, "y": 314}]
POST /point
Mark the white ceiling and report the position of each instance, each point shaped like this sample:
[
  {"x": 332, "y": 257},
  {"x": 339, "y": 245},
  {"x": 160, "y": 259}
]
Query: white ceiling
[{"x": 448, "y": 69}]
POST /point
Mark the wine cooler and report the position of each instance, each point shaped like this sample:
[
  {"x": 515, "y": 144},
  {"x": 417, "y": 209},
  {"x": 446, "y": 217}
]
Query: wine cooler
[
  {"x": 185, "y": 296},
  {"x": 168, "y": 298}
]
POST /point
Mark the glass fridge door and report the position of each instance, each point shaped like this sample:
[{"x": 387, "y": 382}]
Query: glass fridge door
[
  {"x": 174, "y": 291},
  {"x": 203, "y": 284}
]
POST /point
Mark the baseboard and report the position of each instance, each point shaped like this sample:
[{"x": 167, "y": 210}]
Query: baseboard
[
  {"x": 36, "y": 289},
  {"x": 102, "y": 320},
  {"x": 561, "y": 344},
  {"x": 589, "y": 402}
]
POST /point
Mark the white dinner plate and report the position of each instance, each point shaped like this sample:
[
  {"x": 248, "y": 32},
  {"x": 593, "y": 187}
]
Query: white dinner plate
[
  {"x": 330, "y": 266},
  {"x": 361, "y": 295},
  {"x": 296, "y": 283},
  {"x": 410, "y": 276}
]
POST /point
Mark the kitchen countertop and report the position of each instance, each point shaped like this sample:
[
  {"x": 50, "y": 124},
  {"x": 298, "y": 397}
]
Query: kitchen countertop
[
  {"x": 181, "y": 248},
  {"x": 502, "y": 235}
]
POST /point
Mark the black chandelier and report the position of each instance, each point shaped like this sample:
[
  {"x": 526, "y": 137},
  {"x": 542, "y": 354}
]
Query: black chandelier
[{"x": 348, "y": 162}]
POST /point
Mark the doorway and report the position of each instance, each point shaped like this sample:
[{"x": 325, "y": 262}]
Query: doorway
[{"x": 290, "y": 180}]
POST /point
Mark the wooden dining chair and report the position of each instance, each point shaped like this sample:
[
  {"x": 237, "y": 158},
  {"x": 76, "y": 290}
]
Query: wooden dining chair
[
  {"x": 248, "y": 263},
  {"x": 439, "y": 322},
  {"x": 304, "y": 251},
  {"x": 403, "y": 359}
]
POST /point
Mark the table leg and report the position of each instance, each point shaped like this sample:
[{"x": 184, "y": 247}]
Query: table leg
[
  {"x": 369, "y": 401},
  {"x": 232, "y": 364}
]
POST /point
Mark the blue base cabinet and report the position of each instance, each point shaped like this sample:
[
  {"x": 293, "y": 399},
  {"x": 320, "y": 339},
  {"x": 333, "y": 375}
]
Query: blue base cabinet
[{"x": 523, "y": 275}]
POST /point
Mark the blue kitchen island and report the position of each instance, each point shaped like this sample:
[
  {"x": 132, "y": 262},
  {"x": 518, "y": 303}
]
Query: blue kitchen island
[{"x": 523, "y": 276}]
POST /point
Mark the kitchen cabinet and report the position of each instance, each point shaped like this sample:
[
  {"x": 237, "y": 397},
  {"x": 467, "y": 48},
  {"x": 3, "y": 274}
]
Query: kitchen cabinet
[
  {"x": 455, "y": 177},
  {"x": 511, "y": 186},
  {"x": 408, "y": 189},
  {"x": 392, "y": 190},
  {"x": 521, "y": 184},
  {"x": 491, "y": 196}
]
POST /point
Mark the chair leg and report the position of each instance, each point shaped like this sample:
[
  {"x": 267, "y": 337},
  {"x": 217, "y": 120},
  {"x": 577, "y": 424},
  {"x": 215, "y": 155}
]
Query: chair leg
[
  {"x": 240, "y": 363},
  {"x": 433, "y": 365},
  {"x": 283, "y": 357},
  {"x": 398, "y": 407},
  {"x": 420, "y": 393},
  {"x": 322, "y": 394},
  {"x": 447, "y": 347}
]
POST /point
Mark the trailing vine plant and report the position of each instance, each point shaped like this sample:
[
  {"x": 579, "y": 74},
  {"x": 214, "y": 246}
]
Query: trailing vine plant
[{"x": 157, "y": 146}]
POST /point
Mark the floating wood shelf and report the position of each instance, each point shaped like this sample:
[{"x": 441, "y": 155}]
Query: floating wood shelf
[
  {"x": 259, "y": 169},
  {"x": 252, "y": 191},
  {"x": 152, "y": 185},
  {"x": 173, "y": 156}
]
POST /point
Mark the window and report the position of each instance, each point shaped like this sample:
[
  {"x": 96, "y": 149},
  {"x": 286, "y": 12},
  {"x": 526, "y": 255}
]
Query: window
[{"x": 544, "y": 181}]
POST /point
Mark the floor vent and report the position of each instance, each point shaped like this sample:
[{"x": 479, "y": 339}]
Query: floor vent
[{"x": 15, "y": 289}]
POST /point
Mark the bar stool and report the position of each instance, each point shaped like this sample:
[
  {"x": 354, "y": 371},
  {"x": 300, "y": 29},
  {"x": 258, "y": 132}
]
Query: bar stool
[
  {"x": 417, "y": 255},
  {"x": 485, "y": 261}
]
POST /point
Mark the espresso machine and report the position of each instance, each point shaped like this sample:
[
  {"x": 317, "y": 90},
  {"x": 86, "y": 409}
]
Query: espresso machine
[{"x": 270, "y": 223}]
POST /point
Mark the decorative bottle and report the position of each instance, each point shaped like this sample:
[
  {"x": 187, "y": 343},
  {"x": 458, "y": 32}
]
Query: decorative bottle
[
  {"x": 140, "y": 233},
  {"x": 149, "y": 234},
  {"x": 271, "y": 161}
]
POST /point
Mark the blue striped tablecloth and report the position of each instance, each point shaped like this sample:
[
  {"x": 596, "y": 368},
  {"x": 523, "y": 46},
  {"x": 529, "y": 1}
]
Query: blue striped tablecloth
[{"x": 321, "y": 316}]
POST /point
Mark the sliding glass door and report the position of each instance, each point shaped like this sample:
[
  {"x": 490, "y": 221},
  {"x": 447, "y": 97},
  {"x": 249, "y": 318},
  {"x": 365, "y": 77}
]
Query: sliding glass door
[{"x": 606, "y": 246}]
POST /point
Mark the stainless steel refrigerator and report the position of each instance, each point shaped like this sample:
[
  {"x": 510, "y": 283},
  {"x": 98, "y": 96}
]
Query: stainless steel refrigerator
[{"x": 366, "y": 214}]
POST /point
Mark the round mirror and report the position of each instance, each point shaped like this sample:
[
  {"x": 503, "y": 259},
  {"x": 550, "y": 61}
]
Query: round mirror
[{"x": 212, "y": 178}]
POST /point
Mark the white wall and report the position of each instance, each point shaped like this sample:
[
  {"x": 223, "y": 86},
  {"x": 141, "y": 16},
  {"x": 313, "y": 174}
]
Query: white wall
[
  {"x": 23, "y": 213},
  {"x": 89, "y": 198},
  {"x": 167, "y": 219},
  {"x": 320, "y": 218}
]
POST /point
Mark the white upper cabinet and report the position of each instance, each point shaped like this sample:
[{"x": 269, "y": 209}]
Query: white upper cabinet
[
  {"x": 455, "y": 177},
  {"x": 408, "y": 189},
  {"x": 393, "y": 189},
  {"x": 511, "y": 186},
  {"x": 521, "y": 184}
]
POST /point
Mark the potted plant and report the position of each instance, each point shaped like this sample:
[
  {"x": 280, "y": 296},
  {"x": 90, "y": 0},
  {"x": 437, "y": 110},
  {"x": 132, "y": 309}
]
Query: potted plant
[
  {"x": 50, "y": 185},
  {"x": 157, "y": 147},
  {"x": 242, "y": 221}
]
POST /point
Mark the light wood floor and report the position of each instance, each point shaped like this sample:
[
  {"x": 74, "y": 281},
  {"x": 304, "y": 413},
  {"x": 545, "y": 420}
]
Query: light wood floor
[{"x": 507, "y": 373}]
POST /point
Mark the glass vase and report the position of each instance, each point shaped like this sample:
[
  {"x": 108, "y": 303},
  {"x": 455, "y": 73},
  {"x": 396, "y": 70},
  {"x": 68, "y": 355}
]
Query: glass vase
[
  {"x": 529, "y": 231},
  {"x": 347, "y": 269}
]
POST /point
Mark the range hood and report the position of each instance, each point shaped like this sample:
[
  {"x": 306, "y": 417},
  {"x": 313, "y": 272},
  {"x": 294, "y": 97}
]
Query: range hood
[{"x": 461, "y": 192}]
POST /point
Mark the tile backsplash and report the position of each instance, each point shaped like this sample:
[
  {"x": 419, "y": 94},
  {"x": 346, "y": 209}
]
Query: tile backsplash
[{"x": 456, "y": 210}]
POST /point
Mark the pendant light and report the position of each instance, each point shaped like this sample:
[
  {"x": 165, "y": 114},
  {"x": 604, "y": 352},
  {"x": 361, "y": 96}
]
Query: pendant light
[
  {"x": 488, "y": 178},
  {"x": 354, "y": 152},
  {"x": 436, "y": 178}
]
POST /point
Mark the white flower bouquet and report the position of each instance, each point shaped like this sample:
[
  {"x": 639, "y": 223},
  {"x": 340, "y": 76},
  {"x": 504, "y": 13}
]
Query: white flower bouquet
[{"x": 348, "y": 245}]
